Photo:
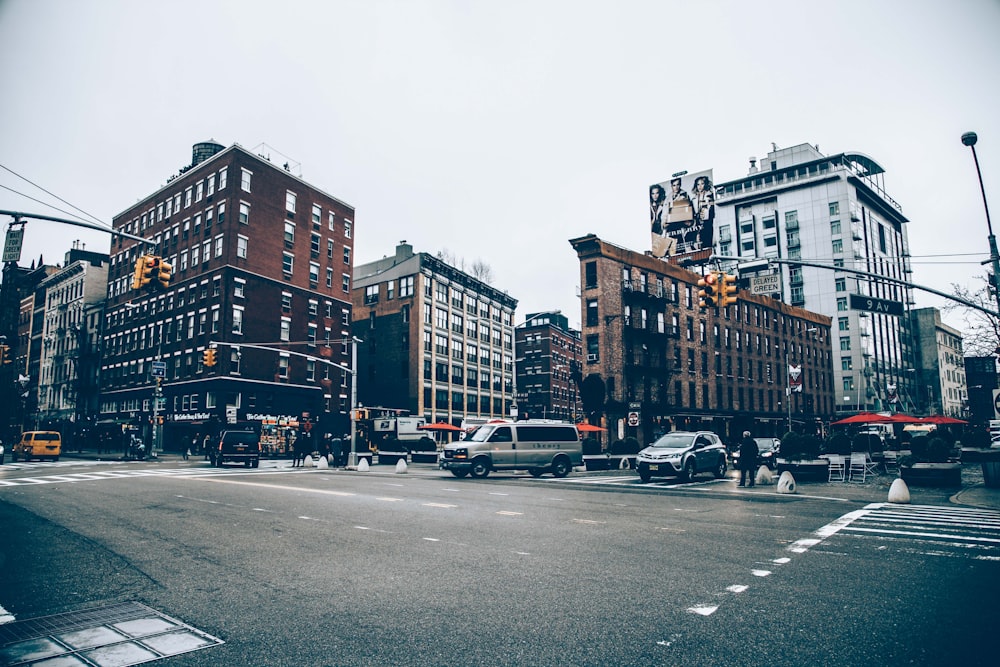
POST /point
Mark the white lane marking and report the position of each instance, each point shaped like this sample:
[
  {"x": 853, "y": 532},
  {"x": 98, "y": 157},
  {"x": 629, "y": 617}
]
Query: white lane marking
[
  {"x": 781, "y": 561},
  {"x": 760, "y": 573},
  {"x": 389, "y": 499},
  {"x": 431, "y": 539},
  {"x": 326, "y": 492},
  {"x": 703, "y": 610},
  {"x": 441, "y": 505},
  {"x": 505, "y": 513},
  {"x": 589, "y": 521},
  {"x": 737, "y": 588}
]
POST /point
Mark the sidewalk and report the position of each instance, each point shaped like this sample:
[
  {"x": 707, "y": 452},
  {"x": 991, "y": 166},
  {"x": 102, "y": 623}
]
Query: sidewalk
[{"x": 973, "y": 492}]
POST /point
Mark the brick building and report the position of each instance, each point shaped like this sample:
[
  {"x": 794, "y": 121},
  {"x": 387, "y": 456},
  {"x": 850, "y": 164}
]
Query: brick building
[
  {"x": 548, "y": 367},
  {"x": 262, "y": 264},
  {"x": 437, "y": 342},
  {"x": 654, "y": 361}
]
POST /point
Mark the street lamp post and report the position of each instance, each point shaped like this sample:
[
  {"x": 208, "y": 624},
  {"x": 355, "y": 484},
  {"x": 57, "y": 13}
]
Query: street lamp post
[{"x": 969, "y": 139}]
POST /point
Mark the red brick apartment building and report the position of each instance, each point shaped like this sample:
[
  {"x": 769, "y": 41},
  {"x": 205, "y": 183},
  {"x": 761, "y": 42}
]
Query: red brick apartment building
[
  {"x": 262, "y": 267},
  {"x": 661, "y": 363},
  {"x": 548, "y": 367}
]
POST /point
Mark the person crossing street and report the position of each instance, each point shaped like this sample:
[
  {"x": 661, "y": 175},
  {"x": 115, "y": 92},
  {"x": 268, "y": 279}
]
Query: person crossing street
[{"x": 748, "y": 459}]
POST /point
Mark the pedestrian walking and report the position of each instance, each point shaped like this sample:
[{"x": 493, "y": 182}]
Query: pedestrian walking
[
  {"x": 205, "y": 444},
  {"x": 748, "y": 459}
]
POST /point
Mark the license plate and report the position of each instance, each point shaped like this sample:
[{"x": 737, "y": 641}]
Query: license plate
[{"x": 653, "y": 466}]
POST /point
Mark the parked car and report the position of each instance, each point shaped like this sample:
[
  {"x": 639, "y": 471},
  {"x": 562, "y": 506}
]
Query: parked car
[
  {"x": 767, "y": 452},
  {"x": 683, "y": 454},
  {"x": 237, "y": 447}
]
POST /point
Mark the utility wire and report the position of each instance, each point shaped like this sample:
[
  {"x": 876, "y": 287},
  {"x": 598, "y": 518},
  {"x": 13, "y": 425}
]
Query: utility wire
[{"x": 92, "y": 217}]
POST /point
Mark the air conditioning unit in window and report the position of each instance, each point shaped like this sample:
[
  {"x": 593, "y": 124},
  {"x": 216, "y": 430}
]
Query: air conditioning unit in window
[{"x": 591, "y": 357}]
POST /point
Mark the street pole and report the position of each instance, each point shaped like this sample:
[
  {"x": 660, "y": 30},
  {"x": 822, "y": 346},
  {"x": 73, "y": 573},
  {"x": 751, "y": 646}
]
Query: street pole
[
  {"x": 969, "y": 139},
  {"x": 353, "y": 462}
]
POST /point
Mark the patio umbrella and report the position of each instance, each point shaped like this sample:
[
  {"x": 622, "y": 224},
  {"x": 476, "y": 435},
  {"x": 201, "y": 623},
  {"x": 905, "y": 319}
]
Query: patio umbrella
[
  {"x": 941, "y": 419},
  {"x": 863, "y": 418},
  {"x": 589, "y": 428},
  {"x": 900, "y": 418},
  {"x": 439, "y": 426}
]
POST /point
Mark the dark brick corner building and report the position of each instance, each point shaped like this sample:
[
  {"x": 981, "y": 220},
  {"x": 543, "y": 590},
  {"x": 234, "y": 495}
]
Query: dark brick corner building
[
  {"x": 260, "y": 258},
  {"x": 653, "y": 361},
  {"x": 548, "y": 367}
]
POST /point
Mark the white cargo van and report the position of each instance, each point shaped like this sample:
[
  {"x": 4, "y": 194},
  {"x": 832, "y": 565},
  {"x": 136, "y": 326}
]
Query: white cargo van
[{"x": 537, "y": 446}]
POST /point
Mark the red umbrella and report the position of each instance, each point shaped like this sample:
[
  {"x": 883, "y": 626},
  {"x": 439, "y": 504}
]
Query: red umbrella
[
  {"x": 439, "y": 426},
  {"x": 900, "y": 418},
  {"x": 941, "y": 419},
  {"x": 589, "y": 428},
  {"x": 863, "y": 418}
]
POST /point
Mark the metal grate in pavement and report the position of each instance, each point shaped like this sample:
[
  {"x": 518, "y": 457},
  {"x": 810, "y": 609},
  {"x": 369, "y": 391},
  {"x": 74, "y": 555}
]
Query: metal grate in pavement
[{"x": 123, "y": 634}]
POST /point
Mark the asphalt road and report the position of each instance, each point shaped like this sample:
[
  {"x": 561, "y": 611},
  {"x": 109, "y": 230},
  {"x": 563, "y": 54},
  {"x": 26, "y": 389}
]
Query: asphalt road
[{"x": 338, "y": 568}]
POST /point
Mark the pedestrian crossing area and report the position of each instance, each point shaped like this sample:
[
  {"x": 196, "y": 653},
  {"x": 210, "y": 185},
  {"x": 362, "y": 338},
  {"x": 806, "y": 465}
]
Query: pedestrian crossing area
[
  {"x": 105, "y": 474},
  {"x": 944, "y": 530}
]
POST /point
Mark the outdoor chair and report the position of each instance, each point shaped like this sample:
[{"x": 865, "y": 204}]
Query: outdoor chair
[
  {"x": 890, "y": 460},
  {"x": 858, "y": 468},
  {"x": 836, "y": 468}
]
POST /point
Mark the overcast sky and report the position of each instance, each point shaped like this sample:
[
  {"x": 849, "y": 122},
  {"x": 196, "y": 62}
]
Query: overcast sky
[{"x": 500, "y": 130}]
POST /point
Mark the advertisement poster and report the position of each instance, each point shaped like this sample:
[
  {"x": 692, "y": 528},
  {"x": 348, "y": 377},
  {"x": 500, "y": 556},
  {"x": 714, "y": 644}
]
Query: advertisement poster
[{"x": 682, "y": 215}]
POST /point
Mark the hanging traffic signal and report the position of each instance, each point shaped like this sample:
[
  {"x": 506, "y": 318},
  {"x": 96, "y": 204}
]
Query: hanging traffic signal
[
  {"x": 727, "y": 290},
  {"x": 208, "y": 357},
  {"x": 163, "y": 274},
  {"x": 708, "y": 295},
  {"x": 5, "y": 354},
  {"x": 140, "y": 266}
]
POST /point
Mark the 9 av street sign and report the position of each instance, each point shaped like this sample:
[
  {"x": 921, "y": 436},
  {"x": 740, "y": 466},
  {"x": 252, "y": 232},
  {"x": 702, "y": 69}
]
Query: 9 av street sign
[{"x": 874, "y": 305}]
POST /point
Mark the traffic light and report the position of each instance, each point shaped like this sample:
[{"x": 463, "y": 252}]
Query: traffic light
[
  {"x": 5, "y": 354},
  {"x": 708, "y": 295},
  {"x": 145, "y": 267},
  {"x": 727, "y": 290},
  {"x": 163, "y": 274},
  {"x": 208, "y": 357}
]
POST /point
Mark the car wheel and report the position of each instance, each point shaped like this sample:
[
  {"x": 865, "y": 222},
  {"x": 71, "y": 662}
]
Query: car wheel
[
  {"x": 644, "y": 476},
  {"x": 536, "y": 472},
  {"x": 460, "y": 473},
  {"x": 480, "y": 468},
  {"x": 720, "y": 468},
  {"x": 561, "y": 467},
  {"x": 689, "y": 470}
]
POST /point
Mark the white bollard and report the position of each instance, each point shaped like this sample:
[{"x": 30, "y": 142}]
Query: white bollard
[
  {"x": 363, "y": 465},
  {"x": 624, "y": 464},
  {"x": 307, "y": 462},
  {"x": 786, "y": 483},
  {"x": 400, "y": 466},
  {"x": 899, "y": 493},
  {"x": 764, "y": 476},
  {"x": 322, "y": 463}
]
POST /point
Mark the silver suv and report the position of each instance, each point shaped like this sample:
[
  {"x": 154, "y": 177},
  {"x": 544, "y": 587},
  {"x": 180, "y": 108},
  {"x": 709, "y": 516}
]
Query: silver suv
[{"x": 683, "y": 454}]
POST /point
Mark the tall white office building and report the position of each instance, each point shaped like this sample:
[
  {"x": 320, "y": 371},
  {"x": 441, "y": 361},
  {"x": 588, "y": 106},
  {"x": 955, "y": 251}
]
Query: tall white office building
[{"x": 831, "y": 211}]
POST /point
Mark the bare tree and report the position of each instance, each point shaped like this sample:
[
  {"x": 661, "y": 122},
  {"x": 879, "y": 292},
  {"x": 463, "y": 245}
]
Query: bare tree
[
  {"x": 981, "y": 336},
  {"x": 479, "y": 269}
]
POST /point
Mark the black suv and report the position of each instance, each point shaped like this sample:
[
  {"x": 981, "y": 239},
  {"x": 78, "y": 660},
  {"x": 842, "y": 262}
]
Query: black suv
[
  {"x": 237, "y": 447},
  {"x": 683, "y": 454}
]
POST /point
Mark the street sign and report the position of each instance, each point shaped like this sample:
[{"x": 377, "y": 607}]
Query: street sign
[
  {"x": 12, "y": 248},
  {"x": 874, "y": 305},
  {"x": 159, "y": 369},
  {"x": 765, "y": 284}
]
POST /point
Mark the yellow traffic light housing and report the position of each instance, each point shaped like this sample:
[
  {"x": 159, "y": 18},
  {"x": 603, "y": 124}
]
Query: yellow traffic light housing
[
  {"x": 163, "y": 274},
  {"x": 708, "y": 295},
  {"x": 727, "y": 290},
  {"x": 208, "y": 357},
  {"x": 140, "y": 265},
  {"x": 5, "y": 354}
]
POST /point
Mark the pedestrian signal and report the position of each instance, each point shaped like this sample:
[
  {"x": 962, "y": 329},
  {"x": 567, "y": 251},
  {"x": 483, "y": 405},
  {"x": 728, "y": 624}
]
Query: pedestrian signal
[{"x": 708, "y": 295}]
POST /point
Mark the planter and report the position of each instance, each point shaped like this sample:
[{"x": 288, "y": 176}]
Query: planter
[
  {"x": 990, "y": 460},
  {"x": 812, "y": 470},
  {"x": 596, "y": 461},
  {"x": 932, "y": 474},
  {"x": 427, "y": 456}
]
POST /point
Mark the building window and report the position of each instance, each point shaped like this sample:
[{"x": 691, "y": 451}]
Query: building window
[
  {"x": 287, "y": 263},
  {"x": 286, "y": 302},
  {"x": 834, "y": 208},
  {"x": 590, "y": 275},
  {"x": 242, "y": 243},
  {"x": 286, "y": 329},
  {"x": 283, "y": 365},
  {"x": 840, "y": 284},
  {"x": 290, "y": 202},
  {"x": 347, "y": 228},
  {"x": 371, "y": 294},
  {"x": 406, "y": 286},
  {"x": 313, "y": 274},
  {"x": 845, "y": 343},
  {"x": 345, "y": 283},
  {"x": 222, "y": 178},
  {"x": 187, "y": 197},
  {"x": 289, "y": 234},
  {"x": 835, "y": 227},
  {"x": 841, "y": 303},
  {"x": 331, "y": 221},
  {"x": 244, "y": 213},
  {"x": 838, "y": 246},
  {"x": 844, "y": 324},
  {"x": 347, "y": 255},
  {"x": 239, "y": 288},
  {"x": 317, "y": 216},
  {"x": 238, "y": 320},
  {"x": 218, "y": 246},
  {"x": 245, "y": 180},
  {"x": 329, "y": 277}
]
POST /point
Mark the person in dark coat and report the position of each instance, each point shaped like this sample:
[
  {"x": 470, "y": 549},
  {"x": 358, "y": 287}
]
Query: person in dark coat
[{"x": 748, "y": 459}]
